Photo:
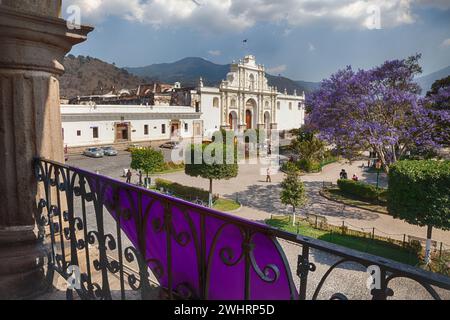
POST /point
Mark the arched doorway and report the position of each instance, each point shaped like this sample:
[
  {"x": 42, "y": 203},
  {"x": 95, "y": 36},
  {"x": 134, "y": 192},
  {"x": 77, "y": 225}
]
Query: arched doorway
[
  {"x": 267, "y": 121},
  {"x": 248, "y": 119},
  {"x": 251, "y": 109},
  {"x": 174, "y": 129},
  {"x": 232, "y": 120}
]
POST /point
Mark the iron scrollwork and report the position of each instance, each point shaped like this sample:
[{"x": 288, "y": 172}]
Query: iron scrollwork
[{"x": 78, "y": 235}]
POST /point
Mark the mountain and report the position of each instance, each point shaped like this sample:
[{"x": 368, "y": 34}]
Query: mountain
[
  {"x": 87, "y": 75},
  {"x": 189, "y": 70},
  {"x": 309, "y": 86},
  {"x": 427, "y": 81}
]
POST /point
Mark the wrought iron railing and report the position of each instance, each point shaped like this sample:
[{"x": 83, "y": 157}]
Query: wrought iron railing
[{"x": 112, "y": 240}]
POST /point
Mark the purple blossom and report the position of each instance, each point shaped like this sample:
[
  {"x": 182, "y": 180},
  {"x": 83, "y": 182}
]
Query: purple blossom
[{"x": 378, "y": 109}]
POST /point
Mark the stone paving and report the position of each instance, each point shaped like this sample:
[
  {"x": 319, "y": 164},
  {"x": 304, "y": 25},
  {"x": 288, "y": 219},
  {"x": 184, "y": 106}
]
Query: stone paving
[{"x": 261, "y": 200}]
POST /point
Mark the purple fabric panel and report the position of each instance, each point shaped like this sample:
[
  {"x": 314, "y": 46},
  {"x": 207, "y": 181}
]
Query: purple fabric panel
[{"x": 225, "y": 261}]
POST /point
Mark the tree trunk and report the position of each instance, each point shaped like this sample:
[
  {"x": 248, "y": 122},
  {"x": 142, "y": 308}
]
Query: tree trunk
[
  {"x": 428, "y": 245},
  {"x": 293, "y": 214},
  {"x": 147, "y": 181},
  {"x": 210, "y": 201}
]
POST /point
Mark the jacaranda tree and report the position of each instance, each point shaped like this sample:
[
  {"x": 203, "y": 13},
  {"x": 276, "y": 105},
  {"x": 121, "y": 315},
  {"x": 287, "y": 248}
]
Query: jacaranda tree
[
  {"x": 438, "y": 99},
  {"x": 379, "y": 109}
]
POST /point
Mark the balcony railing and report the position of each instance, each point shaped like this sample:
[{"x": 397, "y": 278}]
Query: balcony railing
[{"x": 114, "y": 240}]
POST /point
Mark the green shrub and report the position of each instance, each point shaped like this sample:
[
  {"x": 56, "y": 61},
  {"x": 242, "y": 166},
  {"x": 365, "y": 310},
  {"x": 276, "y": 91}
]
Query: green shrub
[
  {"x": 361, "y": 190},
  {"x": 308, "y": 165},
  {"x": 419, "y": 192},
  {"x": 383, "y": 195},
  {"x": 183, "y": 192},
  {"x": 173, "y": 166},
  {"x": 289, "y": 166}
]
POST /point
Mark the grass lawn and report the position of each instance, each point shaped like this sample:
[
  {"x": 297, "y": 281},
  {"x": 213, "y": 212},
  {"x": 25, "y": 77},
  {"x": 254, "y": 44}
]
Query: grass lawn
[
  {"x": 339, "y": 196},
  {"x": 226, "y": 205},
  {"x": 377, "y": 247},
  {"x": 172, "y": 170},
  {"x": 328, "y": 161}
]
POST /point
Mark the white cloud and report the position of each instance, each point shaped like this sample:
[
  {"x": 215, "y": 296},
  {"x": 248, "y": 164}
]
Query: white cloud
[
  {"x": 215, "y": 53},
  {"x": 287, "y": 32},
  {"x": 277, "y": 70},
  {"x": 446, "y": 43},
  {"x": 238, "y": 15},
  {"x": 311, "y": 47}
]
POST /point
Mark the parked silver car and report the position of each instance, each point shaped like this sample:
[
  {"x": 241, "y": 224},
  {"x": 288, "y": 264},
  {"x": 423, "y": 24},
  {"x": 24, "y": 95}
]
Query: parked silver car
[
  {"x": 170, "y": 145},
  {"x": 109, "y": 151},
  {"x": 93, "y": 152}
]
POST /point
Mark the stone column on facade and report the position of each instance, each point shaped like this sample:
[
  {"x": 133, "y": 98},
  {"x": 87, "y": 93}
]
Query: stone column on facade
[
  {"x": 274, "y": 124},
  {"x": 259, "y": 112},
  {"x": 221, "y": 106},
  {"x": 33, "y": 43},
  {"x": 242, "y": 124},
  {"x": 225, "y": 111}
]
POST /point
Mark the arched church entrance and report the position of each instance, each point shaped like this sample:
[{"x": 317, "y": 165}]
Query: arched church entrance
[
  {"x": 251, "y": 109},
  {"x": 232, "y": 120}
]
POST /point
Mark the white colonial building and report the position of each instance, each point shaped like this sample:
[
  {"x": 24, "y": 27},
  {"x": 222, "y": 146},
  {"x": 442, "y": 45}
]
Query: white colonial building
[
  {"x": 90, "y": 125},
  {"x": 244, "y": 100}
]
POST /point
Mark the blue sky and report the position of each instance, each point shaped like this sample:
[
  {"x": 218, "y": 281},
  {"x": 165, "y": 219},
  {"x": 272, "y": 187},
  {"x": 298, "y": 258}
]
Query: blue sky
[{"x": 300, "y": 39}]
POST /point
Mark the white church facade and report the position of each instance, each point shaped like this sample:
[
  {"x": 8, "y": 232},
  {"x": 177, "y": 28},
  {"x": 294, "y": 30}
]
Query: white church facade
[{"x": 243, "y": 100}]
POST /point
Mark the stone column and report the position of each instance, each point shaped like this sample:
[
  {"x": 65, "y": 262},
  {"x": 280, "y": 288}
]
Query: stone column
[
  {"x": 33, "y": 43},
  {"x": 226, "y": 110},
  {"x": 260, "y": 112},
  {"x": 242, "y": 124},
  {"x": 274, "y": 116}
]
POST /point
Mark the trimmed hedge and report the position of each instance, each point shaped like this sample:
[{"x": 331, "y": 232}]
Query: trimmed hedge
[
  {"x": 307, "y": 165},
  {"x": 183, "y": 192},
  {"x": 361, "y": 190},
  {"x": 419, "y": 192},
  {"x": 310, "y": 166},
  {"x": 172, "y": 166}
]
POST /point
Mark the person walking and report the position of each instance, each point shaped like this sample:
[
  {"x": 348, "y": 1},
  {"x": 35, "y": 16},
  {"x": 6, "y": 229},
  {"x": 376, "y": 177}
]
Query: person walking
[
  {"x": 140, "y": 177},
  {"x": 268, "y": 177},
  {"x": 129, "y": 175}
]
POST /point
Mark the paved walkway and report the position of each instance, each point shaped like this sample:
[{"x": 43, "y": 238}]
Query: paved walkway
[{"x": 260, "y": 200}]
